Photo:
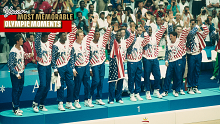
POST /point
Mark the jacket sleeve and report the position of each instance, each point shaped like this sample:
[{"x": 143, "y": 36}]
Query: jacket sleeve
[
  {"x": 106, "y": 37},
  {"x": 130, "y": 40},
  {"x": 72, "y": 60},
  {"x": 38, "y": 44},
  {"x": 146, "y": 39},
  {"x": 159, "y": 34},
  {"x": 11, "y": 63},
  {"x": 54, "y": 57}
]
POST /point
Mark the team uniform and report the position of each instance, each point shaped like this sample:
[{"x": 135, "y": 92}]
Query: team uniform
[
  {"x": 150, "y": 61},
  {"x": 63, "y": 62},
  {"x": 116, "y": 70},
  {"x": 16, "y": 67},
  {"x": 174, "y": 54},
  {"x": 97, "y": 63},
  {"x": 44, "y": 52},
  {"x": 82, "y": 57},
  {"x": 194, "y": 46},
  {"x": 170, "y": 29},
  {"x": 134, "y": 65}
]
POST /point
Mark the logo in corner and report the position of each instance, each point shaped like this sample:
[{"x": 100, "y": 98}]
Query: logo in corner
[{"x": 145, "y": 121}]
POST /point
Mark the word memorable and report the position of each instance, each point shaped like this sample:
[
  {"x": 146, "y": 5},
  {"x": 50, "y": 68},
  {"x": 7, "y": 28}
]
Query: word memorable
[
  {"x": 32, "y": 24},
  {"x": 44, "y": 17},
  {"x": 12, "y": 12}
]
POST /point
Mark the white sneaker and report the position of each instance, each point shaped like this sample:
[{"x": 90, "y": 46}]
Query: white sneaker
[
  {"x": 182, "y": 92},
  {"x": 99, "y": 102},
  {"x": 42, "y": 108},
  {"x": 19, "y": 110},
  {"x": 138, "y": 97},
  {"x": 88, "y": 103},
  {"x": 148, "y": 96},
  {"x": 70, "y": 106},
  {"x": 111, "y": 102},
  {"x": 157, "y": 94},
  {"x": 16, "y": 112},
  {"x": 120, "y": 101},
  {"x": 176, "y": 94},
  {"x": 165, "y": 93},
  {"x": 196, "y": 90},
  {"x": 60, "y": 106},
  {"x": 76, "y": 104},
  {"x": 212, "y": 78},
  {"x": 190, "y": 91},
  {"x": 132, "y": 98},
  {"x": 35, "y": 107}
]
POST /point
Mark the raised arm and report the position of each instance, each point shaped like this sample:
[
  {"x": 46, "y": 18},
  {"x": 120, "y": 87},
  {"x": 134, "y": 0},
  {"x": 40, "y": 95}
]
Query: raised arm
[
  {"x": 72, "y": 34},
  {"x": 131, "y": 38},
  {"x": 205, "y": 31},
  {"x": 159, "y": 34},
  {"x": 146, "y": 39},
  {"x": 38, "y": 44},
  {"x": 51, "y": 38},
  {"x": 107, "y": 33}
]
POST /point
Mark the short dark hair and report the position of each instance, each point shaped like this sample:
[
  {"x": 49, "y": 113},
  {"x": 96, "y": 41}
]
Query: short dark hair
[
  {"x": 193, "y": 20},
  {"x": 96, "y": 29},
  {"x": 17, "y": 38},
  {"x": 81, "y": 2},
  {"x": 44, "y": 34},
  {"x": 173, "y": 33},
  {"x": 61, "y": 33},
  {"x": 78, "y": 13},
  {"x": 90, "y": 5},
  {"x": 29, "y": 34},
  {"x": 178, "y": 26}
]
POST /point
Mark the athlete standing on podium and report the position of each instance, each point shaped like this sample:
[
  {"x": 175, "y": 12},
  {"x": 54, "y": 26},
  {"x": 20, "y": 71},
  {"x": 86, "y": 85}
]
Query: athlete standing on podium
[
  {"x": 97, "y": 62},
  {"x": 43, "y": 46},
  {"x": 82, "y": 69}
]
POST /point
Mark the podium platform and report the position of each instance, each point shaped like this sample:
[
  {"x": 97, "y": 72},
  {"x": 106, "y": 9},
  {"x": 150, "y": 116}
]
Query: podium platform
[{"x": 209, "y": 97}]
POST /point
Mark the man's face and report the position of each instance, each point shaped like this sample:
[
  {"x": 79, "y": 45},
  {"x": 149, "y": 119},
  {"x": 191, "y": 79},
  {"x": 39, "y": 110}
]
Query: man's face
[
  {"x": 150, "y": 31},
  {"x": 109, "y": 8},
  {"x": 82, "y": 4},
  {"x": 81, "y": 36},
  {"x": 177, "y": 16},
  {"x": 132, "y": 24},
  {"x": 158, "y": 21},
  {"x": 79, "y": 15},
  {"x": 140, "y": 4},
  {"x": 122, "y": 33},
  {"x": 31, "y": 39},
  {"x": 20, "y": 42},
  {"x": 139, "y": 30},
  {"x": 63, "y": 37},
  {"x": 192, "y": 24},
  {"x": 172, "y": 38},
  {"x": 18, "y": 8},
  {"x": 183, "y": 1},
  {"x": 210, "y": 18},
  {"x": 102, "y": 16},
  {"x": 97, "y": 35},
  {"x": 118, "y": 7},
  {"x": 118, "y": 37},
  {"x": 160, "y": 6},
  {"x": 91, "y": 8},
  {"x": 45, "y": 38},
  {"x": 179, "y": 30}
]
